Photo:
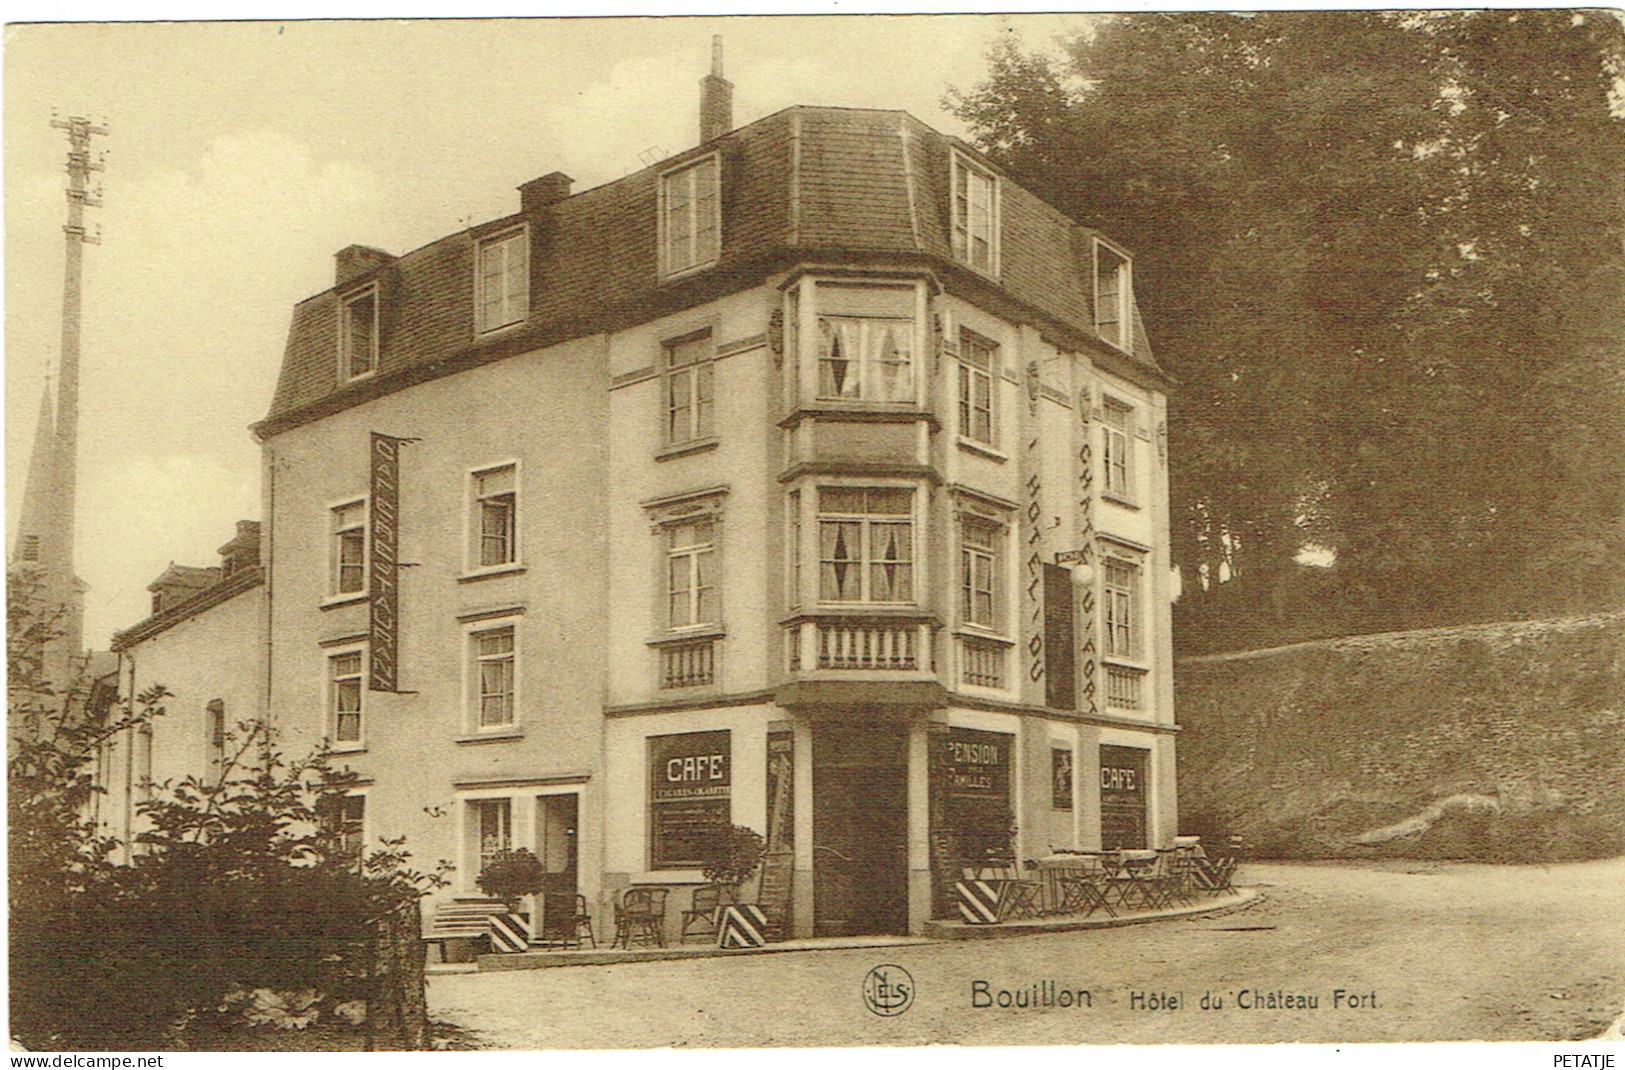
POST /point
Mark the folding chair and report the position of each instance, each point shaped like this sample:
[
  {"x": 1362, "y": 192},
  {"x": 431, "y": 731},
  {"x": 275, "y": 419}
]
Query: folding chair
[{"x": 1083, "y": 888}]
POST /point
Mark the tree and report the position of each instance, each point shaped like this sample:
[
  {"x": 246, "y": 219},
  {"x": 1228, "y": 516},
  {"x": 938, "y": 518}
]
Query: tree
[{"x": 1355, "y": 240}]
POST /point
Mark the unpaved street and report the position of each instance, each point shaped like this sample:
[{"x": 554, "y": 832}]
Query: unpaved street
[{"x": 1444, "y": 951}]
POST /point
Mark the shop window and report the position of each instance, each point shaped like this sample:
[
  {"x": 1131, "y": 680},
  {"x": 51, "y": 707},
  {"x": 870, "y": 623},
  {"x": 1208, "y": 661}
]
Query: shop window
[
  {"x": 866, "y": 544},
  {"x": 690, "y": 216},
  {"x": 348, "y": 548},
  {"x": 690, "y": 795},
  {"x": 689, "y": 386},
  {"x": 504, "y": 280}
]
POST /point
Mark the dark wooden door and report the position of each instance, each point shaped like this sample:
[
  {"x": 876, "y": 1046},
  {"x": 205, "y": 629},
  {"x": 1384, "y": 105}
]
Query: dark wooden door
[{"x": 860, "y": 830}]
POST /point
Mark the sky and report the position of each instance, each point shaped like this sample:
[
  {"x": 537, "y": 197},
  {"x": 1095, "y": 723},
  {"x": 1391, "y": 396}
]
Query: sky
[{"x": 243, "y": 155}]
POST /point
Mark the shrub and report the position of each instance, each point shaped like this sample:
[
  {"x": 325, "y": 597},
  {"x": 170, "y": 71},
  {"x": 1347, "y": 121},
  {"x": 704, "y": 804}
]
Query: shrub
[
  {"x": 511, "y": 875},
  {"x": 731, "y": 855}
]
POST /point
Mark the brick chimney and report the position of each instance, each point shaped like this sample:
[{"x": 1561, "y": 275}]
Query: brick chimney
[
  {"x": 353, "y": 261},
  {"x": 541, "y": 192},
  {"x": 716, "y": 98}
]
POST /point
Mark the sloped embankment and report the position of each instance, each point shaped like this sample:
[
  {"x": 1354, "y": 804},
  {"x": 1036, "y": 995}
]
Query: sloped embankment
[{"x": 1498, "y": 742}]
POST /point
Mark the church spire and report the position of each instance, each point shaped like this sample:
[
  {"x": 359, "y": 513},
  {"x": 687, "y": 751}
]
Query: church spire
[{"x": 34, "y": 546}]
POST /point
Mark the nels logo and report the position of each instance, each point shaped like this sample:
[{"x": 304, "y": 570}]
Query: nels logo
[{"x": 888, "y": 990}]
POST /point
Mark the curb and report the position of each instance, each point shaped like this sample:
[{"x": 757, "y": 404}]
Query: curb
[{"x": 956, "y": 930}]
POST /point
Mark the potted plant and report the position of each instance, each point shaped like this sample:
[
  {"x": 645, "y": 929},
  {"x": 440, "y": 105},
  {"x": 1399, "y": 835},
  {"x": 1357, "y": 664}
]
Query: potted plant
[
  {"x": 730, "y": 856},
  {"x": 511, "y": 876}
]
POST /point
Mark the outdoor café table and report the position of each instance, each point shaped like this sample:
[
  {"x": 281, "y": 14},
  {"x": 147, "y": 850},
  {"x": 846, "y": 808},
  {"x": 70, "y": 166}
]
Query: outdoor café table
[{"x": 1074, "y": 883}]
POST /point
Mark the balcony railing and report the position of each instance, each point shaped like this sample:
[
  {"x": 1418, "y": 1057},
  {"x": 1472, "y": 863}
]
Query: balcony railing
[
  {"x": 1124, "y": 687},
  {"x": 850, "y": 644},
  {"x": 981, "y": 663},
  {"x": 690, "y": 664}
]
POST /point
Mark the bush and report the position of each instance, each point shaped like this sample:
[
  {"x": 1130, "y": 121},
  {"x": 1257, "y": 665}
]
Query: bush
[
  {"x": 511, "y": 875},
  {"x": 731, "y": 855},
  {"x": 239, "y": 896}
]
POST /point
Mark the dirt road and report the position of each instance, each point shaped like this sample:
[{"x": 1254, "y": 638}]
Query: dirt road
[{"x": 1419, "y": 951}]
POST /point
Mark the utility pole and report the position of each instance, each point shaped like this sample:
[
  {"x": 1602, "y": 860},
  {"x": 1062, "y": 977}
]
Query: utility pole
[{"x": 80, "y": 166}]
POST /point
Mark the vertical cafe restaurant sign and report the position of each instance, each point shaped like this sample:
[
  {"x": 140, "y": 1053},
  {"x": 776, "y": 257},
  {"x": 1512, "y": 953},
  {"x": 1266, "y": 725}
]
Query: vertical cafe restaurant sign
[
  {"x": 383, "y": 568},
  {"x": 690, "y": 788}
]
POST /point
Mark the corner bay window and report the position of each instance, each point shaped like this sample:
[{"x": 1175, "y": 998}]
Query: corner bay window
[
  {"x": 865, "y": 343},
  {"x": 866, "y": 544},
  {"x": 690, "y": 216},
  {"x": 495, "y": 515},
  {"x": 493, "y": 676},
  {"x": 688, "y": 375},
  {"x": 344, "y": 696},
  {"x": 348, "y": 552}
]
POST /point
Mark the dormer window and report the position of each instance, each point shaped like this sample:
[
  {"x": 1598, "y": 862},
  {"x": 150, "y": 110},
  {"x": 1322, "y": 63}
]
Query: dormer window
[
  {"x": 976, "y": 215},
  {"x": 358, "y": 334},
  {"x": 1114, "y": 297},
  {"x": 690, "y": 217},
  {"x": 502, "y": 295}
]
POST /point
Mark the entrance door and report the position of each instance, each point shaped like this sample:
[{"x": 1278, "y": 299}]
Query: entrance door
[{"x": 860, "y": 829}]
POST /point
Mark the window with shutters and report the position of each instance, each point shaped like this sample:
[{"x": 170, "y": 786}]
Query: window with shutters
[
  {"x": 503, "y": 283},
  {"x": 358, "y": 334},
  {"x": 493, "y": 521},
  {"x": 689, "y": 376},
  {"x": 866, "y": 544},
  {"x": 690, "y": 216},
  {"x": 975, "y": 215}
]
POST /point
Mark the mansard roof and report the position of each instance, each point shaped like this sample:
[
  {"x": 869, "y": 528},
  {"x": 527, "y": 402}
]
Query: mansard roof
[{"x": 804, "y": 185}]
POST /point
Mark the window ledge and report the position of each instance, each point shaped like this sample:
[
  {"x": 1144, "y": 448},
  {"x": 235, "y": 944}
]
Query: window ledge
[
  {"x": 475, "y": 575},
  {"x": 673, "y": 274},
  {"x": 970, "y": 445},
  {"x": 1120, "y": 499},
  {"x": 333, "y": 601},
  {"x": 503, "y": 735},
  {"x": 710, "y": 631},
  {"x": 346, "y": 748},
  {"x": 971, "y": 631},
  {"x": 1131, "y": 665},
  {"x": 491, "y": 332},
  {"x": 683, "y": 449}
]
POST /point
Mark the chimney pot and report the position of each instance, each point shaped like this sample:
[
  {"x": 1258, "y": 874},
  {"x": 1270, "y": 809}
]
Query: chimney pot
[
  {"x": 716, "y": 98},
  {"x": 541, "y": 192}
]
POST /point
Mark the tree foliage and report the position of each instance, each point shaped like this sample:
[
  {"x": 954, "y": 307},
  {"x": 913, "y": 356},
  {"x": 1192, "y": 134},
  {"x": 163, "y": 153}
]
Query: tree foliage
[{"x": 1382, "y": 254}]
